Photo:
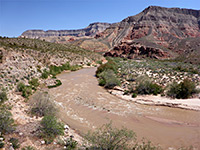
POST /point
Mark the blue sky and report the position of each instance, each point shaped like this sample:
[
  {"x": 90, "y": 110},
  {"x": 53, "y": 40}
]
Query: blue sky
[{"x": 17, "y": 16}]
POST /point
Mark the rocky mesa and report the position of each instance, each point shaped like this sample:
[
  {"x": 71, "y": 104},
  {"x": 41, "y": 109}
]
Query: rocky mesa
[{"x": 91, "y": 30}]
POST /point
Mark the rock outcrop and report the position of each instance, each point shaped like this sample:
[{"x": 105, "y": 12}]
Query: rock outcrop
[
  {"x": 133, "y": 50},
  {"x": 162, "y": 24},
  {"x": 91, "y": 30}
]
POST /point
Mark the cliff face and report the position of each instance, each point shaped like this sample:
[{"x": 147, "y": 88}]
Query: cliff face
[
  {"x": 162, "y": 24},
  {"x": 91, "y": 30},
  {"x": 156, "y": 27}
]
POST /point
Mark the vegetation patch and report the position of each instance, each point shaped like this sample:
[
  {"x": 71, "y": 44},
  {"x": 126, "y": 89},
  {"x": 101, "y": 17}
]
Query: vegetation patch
[
  {"x": 108, "y": 79},
  {"x": 26, "y": 90},
  {"x": 3, "y": 97},
  {"x": 147, "y": 76},
  {"x": 50, "y": 128},
  {"x": 110, "y": 65},
  {"x": 184, "y": 89},
  {"x": 34, "y": 83},
  {"x": 109, "y": 138},
  {"x": 42, "y": 104},
  {"x": 15, "y": 143},
  {"x": 146, "y": 86},
  {"x": 6, "y": 122}
]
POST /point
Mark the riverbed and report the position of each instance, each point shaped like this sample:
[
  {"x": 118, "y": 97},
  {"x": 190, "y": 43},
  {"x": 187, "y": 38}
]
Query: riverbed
[{"x": 84, "y": 106}]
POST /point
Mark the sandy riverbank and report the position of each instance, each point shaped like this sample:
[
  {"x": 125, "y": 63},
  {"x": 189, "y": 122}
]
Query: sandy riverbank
[{"x": 191, "y": 104}]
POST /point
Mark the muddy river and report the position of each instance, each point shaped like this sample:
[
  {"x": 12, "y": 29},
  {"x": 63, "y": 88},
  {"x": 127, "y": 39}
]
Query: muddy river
[{"x": 84, "y": 105}]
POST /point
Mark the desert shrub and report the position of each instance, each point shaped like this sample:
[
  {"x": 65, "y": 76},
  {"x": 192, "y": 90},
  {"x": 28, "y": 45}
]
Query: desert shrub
[
  {"x": 45, "y": 74},
  {"x": 34, "y": 83},
  {"x": 102, "y": 82},
  {"x": 6, "y": 121},
  {"x": 58, "y": 83},
  {"x": 185, "y": 69},
  {"x": 145, "y": 145},
  {"x": 110, "y": 65},
  {"x": 50, "y": 128},
  {"x": 108, "y": 79},
  {"x": 74, "y": 67},
  {"x": 145, "y": 86},
  {"x": 71, "y": 144},
  {"x": 99, "y": 62},
  {"x": 134, "y": 95},
  {"x": 3, "y": 97},
  {"x": 28, "y": 148},
  {"x": 15, "y": 143},
  {"x": 109, "y": 138},
  {"x": 42, "y": 104},
  {"x": 126, "y": 92},
  {"x": 184, "y": 90},
  {"x": 20, "y": 86},
  {"x": 54, "y": 70},
  {"x": 2, "y": 144},
  {"x": 65, "y": 66},
  {"x": 26, "y": 90}
]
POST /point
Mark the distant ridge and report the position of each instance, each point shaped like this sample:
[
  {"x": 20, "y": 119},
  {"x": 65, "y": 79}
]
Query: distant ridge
[{"x": 91, "y": 30}]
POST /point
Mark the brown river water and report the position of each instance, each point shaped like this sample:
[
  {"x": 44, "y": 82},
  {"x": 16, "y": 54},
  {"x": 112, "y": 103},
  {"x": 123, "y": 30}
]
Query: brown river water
[{"x": 84, "y": 106}]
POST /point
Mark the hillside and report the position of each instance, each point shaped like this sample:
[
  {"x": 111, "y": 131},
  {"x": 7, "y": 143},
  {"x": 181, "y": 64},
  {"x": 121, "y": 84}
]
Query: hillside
[
  {"x": 28, "y": 68},
  {"x": 22, "y": 59},
  {"x": 171, "y": 30}
]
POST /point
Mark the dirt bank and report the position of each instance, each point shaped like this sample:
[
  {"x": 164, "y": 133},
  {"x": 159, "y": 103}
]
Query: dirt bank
[{"x": 191, "y": 104}]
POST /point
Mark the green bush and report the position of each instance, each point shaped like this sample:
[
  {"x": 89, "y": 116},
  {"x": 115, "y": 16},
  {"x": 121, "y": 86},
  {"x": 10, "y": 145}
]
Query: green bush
[
  {"x": 145, "y": 145},
  {"x": 184, "y": 90},
  {"x": 45, "y": 74},
  {"x": 54, "y": 70},
  {"x": 99, "y": 62},
  {"x": 110, "y": 65},
  {"x": 65, "y": 66},
  {"x": 20, "y": 86},
  {"x": 34, "y": 83},
  {"x": 108, "y": 79},
  {"x": 3, "y": 97},
  {"x": 50, "y": 128},
  {"x": 109, "y": 138},
  {"x": 74, "y": 68},
  {"x": 134, "y": 95},
  {"x": 15, "y": 143},
  {"x": 145, "y": 86},
  {"x": 42, "y": 104},
  {"x": 26, "y": 90},
  {"x": 102, "y": 82},
  {"x": 6, "y": 121},
  {"x": 71, "y": 144}
]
